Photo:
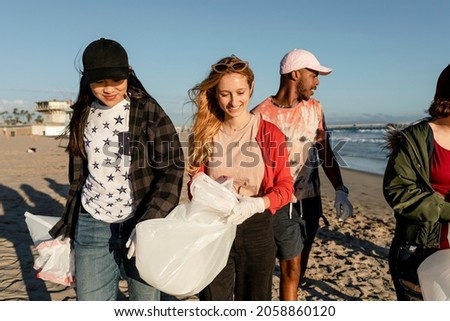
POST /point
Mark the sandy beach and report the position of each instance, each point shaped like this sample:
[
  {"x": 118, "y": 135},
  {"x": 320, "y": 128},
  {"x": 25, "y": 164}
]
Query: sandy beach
[{"x": 348, "y": 261}]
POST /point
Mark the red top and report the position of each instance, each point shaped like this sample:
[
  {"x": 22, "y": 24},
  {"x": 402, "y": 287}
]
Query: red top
[{"x": 440, "y": 181}]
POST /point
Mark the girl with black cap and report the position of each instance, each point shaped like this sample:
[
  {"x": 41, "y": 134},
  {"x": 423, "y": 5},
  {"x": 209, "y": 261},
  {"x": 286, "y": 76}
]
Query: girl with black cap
[
  {"x": 417, "y": 187},
  {"x": 126, "y": 165}
]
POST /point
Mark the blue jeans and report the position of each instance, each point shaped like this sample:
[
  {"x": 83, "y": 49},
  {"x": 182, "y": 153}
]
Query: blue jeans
[{"x": 99, "y": 254}]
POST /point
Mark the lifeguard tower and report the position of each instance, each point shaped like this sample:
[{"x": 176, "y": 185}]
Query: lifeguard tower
[{"x": 56, "y": 114}]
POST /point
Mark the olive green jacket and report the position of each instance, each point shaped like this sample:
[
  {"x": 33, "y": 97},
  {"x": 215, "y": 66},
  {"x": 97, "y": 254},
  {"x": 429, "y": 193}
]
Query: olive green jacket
[{"x": 418, "y": 210}]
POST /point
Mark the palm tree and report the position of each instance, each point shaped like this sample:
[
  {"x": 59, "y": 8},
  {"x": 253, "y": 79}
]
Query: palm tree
[
  {"x": 29, "y": 116},
  {"x": 4, "y": 115},
  {"x": 16, "y": 114},
  {"x": 22, "y": 114}
]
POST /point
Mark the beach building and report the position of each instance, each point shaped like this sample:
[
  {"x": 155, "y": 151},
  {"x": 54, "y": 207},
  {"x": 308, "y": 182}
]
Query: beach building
[{"x": 56, "y": 114}]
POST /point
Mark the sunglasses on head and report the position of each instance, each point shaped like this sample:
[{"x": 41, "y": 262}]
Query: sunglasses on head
[{"x": 232, "y": 66}]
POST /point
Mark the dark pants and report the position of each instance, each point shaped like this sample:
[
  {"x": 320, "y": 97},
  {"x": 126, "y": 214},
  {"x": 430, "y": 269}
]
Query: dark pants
[
  {"x": 404, "y": 261},
  {"x": 250, "y": 267},
  {"x": 311, "y": 209}
]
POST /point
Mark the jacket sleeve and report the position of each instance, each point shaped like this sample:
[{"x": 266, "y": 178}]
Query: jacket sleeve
[
  {"x": 281, "y": 188},
  {"x": 409, "y": 195},
  {"x": 167, "y": 163}
]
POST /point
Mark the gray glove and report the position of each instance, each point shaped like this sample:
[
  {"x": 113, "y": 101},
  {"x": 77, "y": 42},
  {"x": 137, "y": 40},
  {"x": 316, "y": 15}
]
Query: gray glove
[
  {"x": 247, "y": 207},
  {"x": 344, "y": 209}
]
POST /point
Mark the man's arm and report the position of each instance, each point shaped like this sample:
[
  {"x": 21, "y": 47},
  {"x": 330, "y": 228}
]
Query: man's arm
[
  {"x": 329, "y": 163},
  {"x": 344, "y": 208}
]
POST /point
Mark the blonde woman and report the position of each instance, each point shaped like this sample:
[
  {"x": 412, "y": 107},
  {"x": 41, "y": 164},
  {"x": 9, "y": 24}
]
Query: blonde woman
[{"x": 228, "y": 141}]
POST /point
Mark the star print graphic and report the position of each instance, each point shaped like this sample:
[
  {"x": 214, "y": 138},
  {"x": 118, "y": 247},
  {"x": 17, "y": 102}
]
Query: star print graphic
[
  {"x": 107, "y": 140},
  {"x": 122, "y": 190},
  {"x": 127, "y": 176},
  {"x": 119, "y": 120}
]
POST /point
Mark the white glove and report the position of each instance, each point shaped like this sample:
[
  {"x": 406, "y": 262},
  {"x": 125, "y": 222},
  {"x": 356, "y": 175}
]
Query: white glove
[
  {"x": 344, "y": 209},
  {"x": 131, "y": 244},
  {"x": 247, "y": 207}
]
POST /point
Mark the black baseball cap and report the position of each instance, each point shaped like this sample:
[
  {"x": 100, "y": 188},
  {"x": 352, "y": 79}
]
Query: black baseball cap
[{"x": 104, "y": 59}]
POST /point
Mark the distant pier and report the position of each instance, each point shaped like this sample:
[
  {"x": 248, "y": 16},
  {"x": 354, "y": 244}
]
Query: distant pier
[
  {"x": 182, "y": 129},
  {"x": 365, "y": 126}
]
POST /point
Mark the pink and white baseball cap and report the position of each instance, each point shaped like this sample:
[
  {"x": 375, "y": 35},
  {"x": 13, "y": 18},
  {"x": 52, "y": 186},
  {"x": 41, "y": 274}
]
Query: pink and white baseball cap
[{"x": 298, "y": 59}]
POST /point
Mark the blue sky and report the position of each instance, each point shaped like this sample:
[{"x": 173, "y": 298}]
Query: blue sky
[{"x": 386, "y": 55}]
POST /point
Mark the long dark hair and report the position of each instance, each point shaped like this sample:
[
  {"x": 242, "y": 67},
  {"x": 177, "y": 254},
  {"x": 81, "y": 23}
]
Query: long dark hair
[
  {"x": 75, "y": 129},
  {"x": 440, "y": 107}
]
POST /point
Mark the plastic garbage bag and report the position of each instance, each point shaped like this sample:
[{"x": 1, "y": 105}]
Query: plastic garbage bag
[
  {"x": 434, "y": 276},
  {"x": 56, "y": 260},
  {"x": 182, "y": 253}
]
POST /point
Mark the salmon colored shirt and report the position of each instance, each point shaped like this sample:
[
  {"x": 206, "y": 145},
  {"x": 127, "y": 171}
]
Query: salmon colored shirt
[{"x": 237, "y": 155}]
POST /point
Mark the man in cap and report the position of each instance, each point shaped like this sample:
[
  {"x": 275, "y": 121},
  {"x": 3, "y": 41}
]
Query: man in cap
[{"x": 301, "y": 119}]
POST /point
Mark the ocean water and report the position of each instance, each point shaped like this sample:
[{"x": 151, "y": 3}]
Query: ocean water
[{"x": 360, "y": 148}]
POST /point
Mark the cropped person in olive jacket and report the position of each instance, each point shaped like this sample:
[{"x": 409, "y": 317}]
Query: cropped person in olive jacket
[{"x": 416, "y": 185}]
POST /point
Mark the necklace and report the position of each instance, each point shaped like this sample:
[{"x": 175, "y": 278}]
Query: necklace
[
  {"x": 230, "y": 128},
  {"x": 284, "y": 106}
]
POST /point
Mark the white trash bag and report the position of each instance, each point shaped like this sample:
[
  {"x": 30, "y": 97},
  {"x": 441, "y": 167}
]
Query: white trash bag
[
  {"x": 182, "y": 253},
  {"x": 434, "y": 276},
  {"x": 56, "y": 260}
]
